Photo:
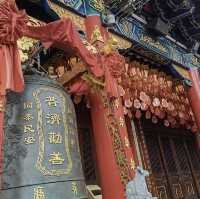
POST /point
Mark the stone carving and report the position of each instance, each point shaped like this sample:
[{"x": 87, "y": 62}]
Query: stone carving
[{"x": 137, "y": 188}]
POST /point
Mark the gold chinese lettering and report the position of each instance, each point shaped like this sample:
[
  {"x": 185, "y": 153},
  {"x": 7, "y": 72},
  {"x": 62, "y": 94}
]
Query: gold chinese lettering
[
  {"x": 74, "y": 188},
  {"x": 29, "y": 140},
  {"x": 28, "y": 105},
  {"x": 55, "y": 138},
  {"x": 28, "y": 117},
  {"x": 39, "y": 193},
  {"x": 53, "y": 118},
  {"x": 51, "y": 101},
  {"x": 56, "y": 158},
  {"x": 28, "y": 128}
]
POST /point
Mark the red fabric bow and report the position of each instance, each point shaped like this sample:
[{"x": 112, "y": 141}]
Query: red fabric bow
[{"x": 12, "y": 22}]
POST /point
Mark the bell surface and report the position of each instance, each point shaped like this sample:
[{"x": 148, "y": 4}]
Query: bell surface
[{"x": 41, "y": 150}]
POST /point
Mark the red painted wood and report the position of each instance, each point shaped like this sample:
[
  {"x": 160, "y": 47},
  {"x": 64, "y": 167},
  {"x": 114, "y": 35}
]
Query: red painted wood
[
  {"x": 111, "y": 185},
  {"x": 194, "y": 96},
  {"x": 109, "y": 173},
  {"x": 1, "y": 144}
]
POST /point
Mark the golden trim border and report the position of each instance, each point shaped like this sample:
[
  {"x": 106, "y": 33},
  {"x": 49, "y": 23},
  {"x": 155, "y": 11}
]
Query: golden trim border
[{"x": 40, "y": 129}]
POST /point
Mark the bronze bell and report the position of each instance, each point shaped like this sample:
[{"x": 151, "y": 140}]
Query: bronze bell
[{"x": 41, "y": 151}]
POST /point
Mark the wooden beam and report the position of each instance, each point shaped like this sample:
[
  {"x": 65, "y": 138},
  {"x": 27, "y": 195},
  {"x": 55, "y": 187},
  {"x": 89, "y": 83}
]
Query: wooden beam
[{"x": 77, "y": 68}]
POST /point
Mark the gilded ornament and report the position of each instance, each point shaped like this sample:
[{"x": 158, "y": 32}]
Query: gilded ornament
[
  {"x": 53, "y": 118},
  {"x": 28, "y": 117},
  {"x": 97, "y": 5},
  {"x": 110, "y": 46},
  {"x": 62, "y": 12},
  {"x": 126, "y": 141},
  {"x": 132, "y": 164},
  {"x": 25, "y": 44},
  {"x": 51, "y": 101},
  {"x": 29, "y": 140},
  {"x": 56, "y": 158},
  {"x": 121, "y": 122},
  {"x": 116, "y": 103},
  {"x": 121, "y": 42},
  {"x": 55, "y": 138},
  {"x": 96, "y": 35},
  {"x": 74, "y": 188},
  {"x": 39, "y": 193},
  {"x": 156, "y": 44},
  {"x": 28, "y": 128},
  {"x": 2, "y": 106},
  {"x": 28, "y": 105}
]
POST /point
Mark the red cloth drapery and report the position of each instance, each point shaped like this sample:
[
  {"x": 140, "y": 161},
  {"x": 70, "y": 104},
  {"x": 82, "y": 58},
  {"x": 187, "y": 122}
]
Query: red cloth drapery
[
  {"x": 61, "y": 34},
  {"x": 12, "y": 21}
]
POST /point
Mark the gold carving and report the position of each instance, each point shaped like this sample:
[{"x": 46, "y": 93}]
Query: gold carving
[
  {"x": 51, "y": 101},
  {"x": 96, "y": 35},
  {"x": 28, "y": 105},
  {"x": 29, "y": 140},
  {"x": 53, "y": 118},
  {"x": 74, "y": 188},
  {"x": 55, "y": 138},
  {"x": 62, "y": 12},
  {"x": 24, "y": 45},
  {"x": 28, "y": 117},
  {"x": 97, "y": 5},
  {"x": 121, "y": 122},
  {"x": 132, "y": 164},
  {"x": 56, "y": 158},
  {"x": 153, "y": 43},
  {"x": 39, "y": 193},
  {"x": 196, "y": 61},
  {"x": 2, "y": 106},
  {"x": 121, "y": 42},
  {"x": 116, "y": 103},
  {"x": 29, "y": 128},
  {"x": 182, "y": 71},
  {"x": 126, "y": 141}
]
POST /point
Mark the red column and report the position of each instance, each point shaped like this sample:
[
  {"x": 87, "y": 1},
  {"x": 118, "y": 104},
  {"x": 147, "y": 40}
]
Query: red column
[
  {"x": 2, "y": 102},
  {"x": 194, "y": 96},
  {"x": 111, "y": 185}
]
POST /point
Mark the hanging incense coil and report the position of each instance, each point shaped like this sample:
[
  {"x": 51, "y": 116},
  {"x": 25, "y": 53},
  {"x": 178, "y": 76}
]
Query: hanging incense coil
[
  {"x": 137, "y": 104},
  {"x": 128, "y": 103},
  {"x": 144, "y": 106},
  {"x": 148, "y": 115},
  {"x": 154, "y": 119},
  {"x": 138, "y": 114},
  {"x": 156, "y": 102}
]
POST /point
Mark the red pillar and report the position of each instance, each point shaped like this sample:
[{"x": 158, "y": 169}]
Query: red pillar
[
  {"x": 2, "y": 103},
  {"x": 194, "y": 96},
  {"x": 111, "y": 185}
]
